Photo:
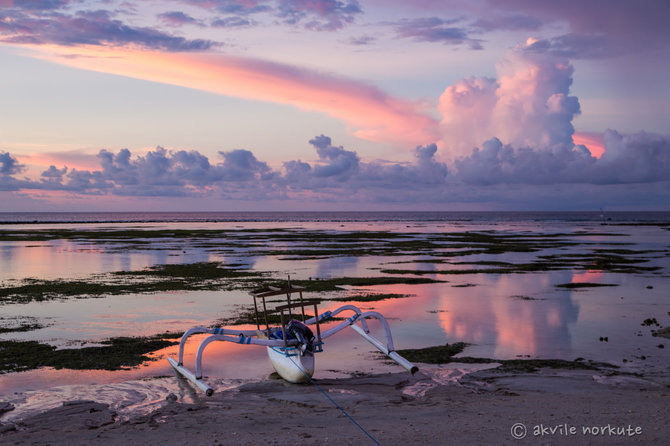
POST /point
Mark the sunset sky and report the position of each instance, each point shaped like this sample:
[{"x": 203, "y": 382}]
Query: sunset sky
[{"x": 227, "y": 105}]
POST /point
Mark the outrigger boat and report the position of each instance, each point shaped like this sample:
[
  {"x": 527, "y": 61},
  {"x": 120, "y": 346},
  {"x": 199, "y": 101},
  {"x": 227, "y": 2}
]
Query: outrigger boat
[{"x": 292, "y": 345}]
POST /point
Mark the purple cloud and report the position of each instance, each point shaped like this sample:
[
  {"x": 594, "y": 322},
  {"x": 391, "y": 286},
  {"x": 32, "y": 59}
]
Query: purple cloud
[
  {"x": 92, "y": 183},
  {"x": 607, "y": 28},
  {"x": 237, "y": 7},
  {"x": 529, "y": 175},
  {"x": 317, "y": 15},
  {"x": 341, "y": 173},
  {"x": 240, "y": 175},
  {"x": 166, "y": 173},
  {"x": 616, "y": 16},
  {"x": 325, "y": 15},
  {"x": 435, "y": 29},
  {"x": 11, "y": 184},
  {"x": 39, "y": 5},
  {"x": 516, "y": 22},
  {"x": 177, "y": 18},
  {"x": 53, "y": 175},
  {"x": 91, "y": 28},
  {"x": 9, "y": 165},
  {"x": 339, "y": 163},
  {"x": 636, "y": 158},
  {"x": 242, "y": 165},
  {"x": 577, "y": 46},
  {"x": 599, "y": 28},
  {"x": 424, "y": 175},
  {"x": 362, "y": 40},
  {"x": 117, "y": 167},
  {"x": 231, "y": 22},
  {"x": 296, "y": 171},
  {"x": 191, "y": 166},
  {"x": 496, "y": 163}
]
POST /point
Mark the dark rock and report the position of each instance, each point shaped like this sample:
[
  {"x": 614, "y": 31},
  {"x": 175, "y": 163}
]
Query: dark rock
[
  {"x": 7, "y": 427},
  {"x": 5, "y": 407}
]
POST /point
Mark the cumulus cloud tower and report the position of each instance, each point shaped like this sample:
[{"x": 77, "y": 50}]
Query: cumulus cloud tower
[{"x": 528, "y": 105}]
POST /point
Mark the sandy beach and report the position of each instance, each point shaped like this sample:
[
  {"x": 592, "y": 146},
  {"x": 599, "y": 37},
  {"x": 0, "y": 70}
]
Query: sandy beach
[{"x": 485, "y": 407}]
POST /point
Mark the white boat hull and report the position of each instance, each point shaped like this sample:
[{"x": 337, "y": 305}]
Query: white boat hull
[{"x": 290, "y": 365}]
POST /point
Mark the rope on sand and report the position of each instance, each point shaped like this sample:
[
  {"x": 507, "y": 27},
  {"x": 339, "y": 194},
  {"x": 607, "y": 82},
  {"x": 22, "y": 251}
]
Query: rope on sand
[{"x": 335, "y": 404}]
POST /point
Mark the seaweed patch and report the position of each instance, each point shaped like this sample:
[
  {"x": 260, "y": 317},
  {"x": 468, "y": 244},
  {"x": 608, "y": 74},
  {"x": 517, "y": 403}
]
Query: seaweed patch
[
  {"x": 177, "y": 277},
  {"x": 444, "y": 354},
  {"x": 114, "y": 354},
  {"x": 573, "y": 285}
]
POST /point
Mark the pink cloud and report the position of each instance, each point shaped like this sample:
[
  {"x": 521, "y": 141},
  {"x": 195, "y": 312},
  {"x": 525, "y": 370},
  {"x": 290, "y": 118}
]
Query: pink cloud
[
  {"x": 369, "y": 112},
  {"x": 74, "y": 159},
  {"x": 527, "y": 106},
  {"x": 592, "y": 141}
]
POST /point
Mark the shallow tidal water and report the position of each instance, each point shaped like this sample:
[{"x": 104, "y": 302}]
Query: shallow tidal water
[{"x": 502, "y": 315}]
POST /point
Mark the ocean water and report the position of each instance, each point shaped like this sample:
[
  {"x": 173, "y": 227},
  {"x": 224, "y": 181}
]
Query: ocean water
[
  {"x": 412, "y": 216},
  {"x": 501, "y": 315}
]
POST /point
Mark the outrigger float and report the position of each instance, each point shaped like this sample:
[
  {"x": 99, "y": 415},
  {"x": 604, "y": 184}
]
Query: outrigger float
[{"x": 291, "y": 346}]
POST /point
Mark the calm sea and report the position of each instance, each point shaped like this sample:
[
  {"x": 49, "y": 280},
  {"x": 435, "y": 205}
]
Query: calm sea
[{"x": 149, "y": 217}]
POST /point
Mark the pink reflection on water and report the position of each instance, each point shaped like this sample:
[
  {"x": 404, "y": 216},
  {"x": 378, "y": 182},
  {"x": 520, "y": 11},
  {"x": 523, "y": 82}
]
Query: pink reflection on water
[
  {"x": 467, "y": 319},
  {"x": 589, "y": 276},
  {"x": 502, "y": 316}
]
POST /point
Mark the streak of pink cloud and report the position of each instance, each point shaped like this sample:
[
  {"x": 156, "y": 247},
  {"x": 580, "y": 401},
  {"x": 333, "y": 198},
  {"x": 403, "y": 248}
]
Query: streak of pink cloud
[
  {"x": 369, "y": 112},
  {"x": 71, "y": 159}
]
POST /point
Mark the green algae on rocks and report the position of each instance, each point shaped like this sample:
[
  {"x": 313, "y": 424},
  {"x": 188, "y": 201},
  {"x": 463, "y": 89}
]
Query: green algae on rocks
[
  {"x": 19, "y": 324},
  {"x": 573, "y": 285},
  {"x": 443, "y": 354},
  {"x": 177, "y": 277},
  {"x": 433, "y": 355},
  {"x": 336, "y": 284},
  {"x": 115, "y": 354},
  {"x": 369, "y": 297}
]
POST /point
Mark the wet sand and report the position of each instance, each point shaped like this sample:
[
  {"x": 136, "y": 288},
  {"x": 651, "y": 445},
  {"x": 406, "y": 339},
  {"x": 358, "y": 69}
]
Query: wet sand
[{"x": 484, "y": 407}]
